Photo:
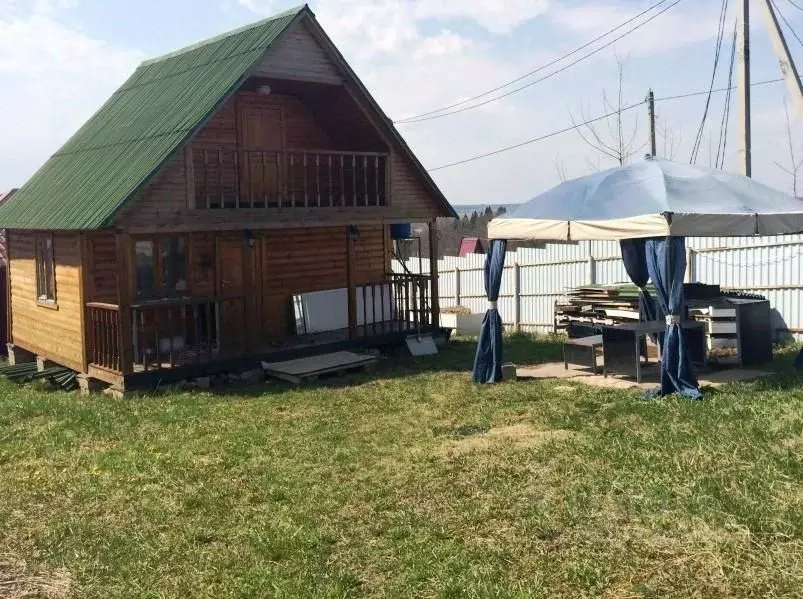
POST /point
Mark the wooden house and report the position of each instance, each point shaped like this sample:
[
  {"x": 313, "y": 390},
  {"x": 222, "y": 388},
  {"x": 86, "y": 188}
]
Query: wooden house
[{"x": 222, "y": 194}]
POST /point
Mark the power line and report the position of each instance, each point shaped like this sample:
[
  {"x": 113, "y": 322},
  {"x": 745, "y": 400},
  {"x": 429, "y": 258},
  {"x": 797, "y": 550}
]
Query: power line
[
  {"x": 788, "y": 24},
  {"x": 544, "y": 78},
  {"x": 536, "y": 70},
  {"x": 722, "y": 145},
  {"x": 717, "y": 52},
  {"x": 588, "y": 122},
  {"x": 797, "y": 6}
]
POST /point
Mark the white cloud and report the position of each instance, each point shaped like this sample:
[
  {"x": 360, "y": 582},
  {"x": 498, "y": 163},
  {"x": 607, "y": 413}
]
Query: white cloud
[{"x": 55, "y": 77}]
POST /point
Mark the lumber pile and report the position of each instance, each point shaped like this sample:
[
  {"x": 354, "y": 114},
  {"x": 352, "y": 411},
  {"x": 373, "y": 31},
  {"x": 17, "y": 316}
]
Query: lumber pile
[{"x": 598, "y": 305}]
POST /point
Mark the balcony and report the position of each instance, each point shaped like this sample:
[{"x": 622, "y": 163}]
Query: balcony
[{"x": 227, "y": 178}]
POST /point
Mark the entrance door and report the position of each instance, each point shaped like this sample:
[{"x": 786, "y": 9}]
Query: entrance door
[
  {"x": 261, "y": 138},
  {"x": 232, "y": 292}
]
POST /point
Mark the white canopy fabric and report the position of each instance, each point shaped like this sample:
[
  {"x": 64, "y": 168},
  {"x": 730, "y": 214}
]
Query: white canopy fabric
[{"x": 653, "y": 198}]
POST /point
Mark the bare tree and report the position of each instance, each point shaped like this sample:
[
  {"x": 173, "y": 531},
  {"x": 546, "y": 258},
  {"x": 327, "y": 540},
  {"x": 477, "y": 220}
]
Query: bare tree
[
  {"x": 669, "y": 142},
  {"x": 560, "y": 168},
  {"x": 793, "y": 170},
  {"x": 619, "y": 142}
]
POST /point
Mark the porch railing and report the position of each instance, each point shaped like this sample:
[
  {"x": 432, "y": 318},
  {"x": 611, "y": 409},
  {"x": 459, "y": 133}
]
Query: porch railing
[
  {"x": 172, "y": 333},
  {"x": 252, "y": 178},
  {"x": 167, "y": 334},
  {"x": 104, "y": 336},
  {"x": 400, "y": 303}
]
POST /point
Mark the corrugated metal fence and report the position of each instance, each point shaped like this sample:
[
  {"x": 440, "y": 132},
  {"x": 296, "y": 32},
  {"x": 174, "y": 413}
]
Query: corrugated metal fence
[{"x": 535, "y": 278}]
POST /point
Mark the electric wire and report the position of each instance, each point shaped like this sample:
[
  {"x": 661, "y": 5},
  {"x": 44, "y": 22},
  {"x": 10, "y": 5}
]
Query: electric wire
[
  {"x": 723, "y": 126},
  {"x": 540, "y": 79},
  {"x": 536, "y": 70},
  {"x": 588, "y": 122},
  {"x": 717, "y": 53}
]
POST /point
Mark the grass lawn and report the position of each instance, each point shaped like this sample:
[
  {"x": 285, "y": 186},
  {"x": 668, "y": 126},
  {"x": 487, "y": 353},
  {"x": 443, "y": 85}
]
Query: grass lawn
[{"x": 390, "y": 486}]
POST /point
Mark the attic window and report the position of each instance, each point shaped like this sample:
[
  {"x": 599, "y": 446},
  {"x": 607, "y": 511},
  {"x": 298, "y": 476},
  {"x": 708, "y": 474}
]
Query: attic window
[{"x": 45, "y": 270}]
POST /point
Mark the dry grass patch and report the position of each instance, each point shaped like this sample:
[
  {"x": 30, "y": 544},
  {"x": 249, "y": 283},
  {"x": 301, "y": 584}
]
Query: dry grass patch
[
  {"x": 19, "y": 581},
  {"x": 521, "y": 436}
]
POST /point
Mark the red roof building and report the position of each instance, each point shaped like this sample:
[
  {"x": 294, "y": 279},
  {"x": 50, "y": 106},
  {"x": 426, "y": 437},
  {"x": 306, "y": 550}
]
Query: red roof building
[{"x": 471, "y": 245}]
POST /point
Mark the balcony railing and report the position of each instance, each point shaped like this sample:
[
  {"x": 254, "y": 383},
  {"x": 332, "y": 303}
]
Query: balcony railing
[{"x": 238, "y": 178}]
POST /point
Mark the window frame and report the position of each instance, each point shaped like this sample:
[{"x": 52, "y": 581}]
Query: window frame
[
  {"x": 45, "y": 270},
  {"x": 158, "y": 242}
]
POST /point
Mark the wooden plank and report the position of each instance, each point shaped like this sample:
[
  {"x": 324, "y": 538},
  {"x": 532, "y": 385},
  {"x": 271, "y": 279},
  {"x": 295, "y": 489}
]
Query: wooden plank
[
  {"x": 83, "y": 278},
  {"x": 124, "y": 294},
  {"x": 189, "y": 175},
  {"x": 433, "y": 275},
  {"x": 351, "y": 285},
  {"x": 296, "y": 371}
]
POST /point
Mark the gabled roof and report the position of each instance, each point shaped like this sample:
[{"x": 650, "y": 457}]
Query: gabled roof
[{"x": 143, "y": 124}]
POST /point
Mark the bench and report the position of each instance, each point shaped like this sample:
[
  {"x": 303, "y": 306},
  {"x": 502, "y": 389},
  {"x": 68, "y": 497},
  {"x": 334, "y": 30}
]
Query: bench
[{"x": 582, "y": 351}]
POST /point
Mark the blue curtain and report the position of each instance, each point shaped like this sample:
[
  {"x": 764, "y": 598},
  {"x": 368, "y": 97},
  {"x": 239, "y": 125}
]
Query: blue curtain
[
  {"x": 666, "y": 262},
  {"x": 635, "y": 258},
  {"x": 488, "y": 360}
]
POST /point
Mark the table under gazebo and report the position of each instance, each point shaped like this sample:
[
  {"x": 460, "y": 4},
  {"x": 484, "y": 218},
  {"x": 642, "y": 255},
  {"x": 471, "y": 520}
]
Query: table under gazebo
[{"x": 650, "y": 207}]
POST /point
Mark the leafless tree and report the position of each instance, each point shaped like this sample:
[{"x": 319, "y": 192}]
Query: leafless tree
[
  {"x": 795, "y": 164},
  {"x": 619, "y": 143},
  {"x": 560, "y": 168},
  {"x": 669, "y": 142}
]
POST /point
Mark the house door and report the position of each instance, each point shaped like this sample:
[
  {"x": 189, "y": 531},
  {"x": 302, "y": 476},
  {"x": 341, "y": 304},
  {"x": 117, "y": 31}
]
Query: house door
[
  {"x": 231, "y": 285},
  {"x": 261, "y": 139}
]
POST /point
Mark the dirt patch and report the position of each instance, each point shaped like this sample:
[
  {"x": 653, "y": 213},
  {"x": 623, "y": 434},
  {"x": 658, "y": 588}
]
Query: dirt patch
[
  {"x": 518, "y": 435},
  {"x": 18, "y": 581}
]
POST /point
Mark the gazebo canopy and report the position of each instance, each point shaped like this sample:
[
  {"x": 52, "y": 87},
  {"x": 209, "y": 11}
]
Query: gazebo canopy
[{"x": 653, "y": 198}]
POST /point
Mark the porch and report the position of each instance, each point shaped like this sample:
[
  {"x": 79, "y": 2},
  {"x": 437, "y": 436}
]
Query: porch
[{"x": 139, "y": 345}]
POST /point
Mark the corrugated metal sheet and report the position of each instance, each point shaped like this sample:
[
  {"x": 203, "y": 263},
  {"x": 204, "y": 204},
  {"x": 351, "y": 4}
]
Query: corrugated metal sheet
[
  {"x": 768, "y": 266},
  {"x": 137, "y": 130}
]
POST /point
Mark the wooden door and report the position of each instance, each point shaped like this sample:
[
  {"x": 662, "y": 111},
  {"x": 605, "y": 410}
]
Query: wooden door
[
  {"x": 232, "y": 291},
  {"x": 261, "y": 139}
]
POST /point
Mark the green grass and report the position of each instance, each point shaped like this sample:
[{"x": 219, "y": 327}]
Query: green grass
[{"x": 388, "y": 486}]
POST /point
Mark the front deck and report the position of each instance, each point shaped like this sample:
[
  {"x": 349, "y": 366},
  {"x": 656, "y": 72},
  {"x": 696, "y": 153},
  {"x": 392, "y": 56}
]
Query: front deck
[{"x": 145, "y": 344}]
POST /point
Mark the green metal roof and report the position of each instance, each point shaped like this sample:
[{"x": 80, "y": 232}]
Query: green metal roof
[{"x": 138, "y": 129}]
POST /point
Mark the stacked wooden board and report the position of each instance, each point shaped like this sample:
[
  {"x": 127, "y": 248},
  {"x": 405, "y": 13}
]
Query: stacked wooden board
[{"x": 598, "y": 305}]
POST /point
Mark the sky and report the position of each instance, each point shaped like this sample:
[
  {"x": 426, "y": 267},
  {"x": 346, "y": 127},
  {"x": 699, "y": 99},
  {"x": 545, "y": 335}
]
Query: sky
[{"x": 61, "y": 59}]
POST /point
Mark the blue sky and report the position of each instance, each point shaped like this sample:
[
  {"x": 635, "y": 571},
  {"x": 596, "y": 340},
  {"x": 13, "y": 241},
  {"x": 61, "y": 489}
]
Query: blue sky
[{"x": 60, "y": 59}]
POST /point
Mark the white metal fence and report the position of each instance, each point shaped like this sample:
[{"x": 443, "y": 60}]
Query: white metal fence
[{"x": 535, "y": 278}]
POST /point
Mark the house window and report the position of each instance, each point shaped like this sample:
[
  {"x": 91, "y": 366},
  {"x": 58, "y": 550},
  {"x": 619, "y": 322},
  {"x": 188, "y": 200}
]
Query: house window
[
  {"x": 45, "y": 270},
  {"x": 161, "y": 266}
]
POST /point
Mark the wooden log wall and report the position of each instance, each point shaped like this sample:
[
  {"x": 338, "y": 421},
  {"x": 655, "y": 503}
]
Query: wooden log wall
[
  {"x": 305, "y": 260},
  {"x": 101, "y": 265},
  {"x": 55, "y": 332}
]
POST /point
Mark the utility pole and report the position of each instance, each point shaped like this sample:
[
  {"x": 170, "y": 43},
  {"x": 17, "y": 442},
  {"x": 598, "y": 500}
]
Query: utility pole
[
  {"x": 651, "y": 109},
  {"x": 785, "y": 60},
  {"x": 743, "y": 54}
]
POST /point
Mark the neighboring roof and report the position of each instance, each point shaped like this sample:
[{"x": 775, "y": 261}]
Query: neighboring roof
[
  {"x": 4, "y": 195},
  {"x": 146, "y": 121},
  {"x": 470, "y": 245}
]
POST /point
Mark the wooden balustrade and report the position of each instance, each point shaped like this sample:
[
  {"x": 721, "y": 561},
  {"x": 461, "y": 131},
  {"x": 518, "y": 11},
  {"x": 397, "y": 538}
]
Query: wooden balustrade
[
  {"x": 103, "y": 328},
  {"x": 172, "y": 333},
  {"x": 400, "y": 303},
  {"x": 248, "y": 178}
]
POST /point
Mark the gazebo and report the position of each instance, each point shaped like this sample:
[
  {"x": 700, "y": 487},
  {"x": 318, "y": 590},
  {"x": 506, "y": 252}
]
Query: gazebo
[{"x": 650, "y": 207}]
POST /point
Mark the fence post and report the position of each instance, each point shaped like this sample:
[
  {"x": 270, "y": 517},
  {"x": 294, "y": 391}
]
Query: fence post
[
  {"x": 516, "y": 297},
  {"x": 592, "y": 270},
  {"x": 457, "y": 286},
  {"x": 689, "y": 265}
]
